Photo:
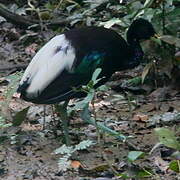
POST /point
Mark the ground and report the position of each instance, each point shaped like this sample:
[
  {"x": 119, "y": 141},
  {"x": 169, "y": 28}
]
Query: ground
[{"x": 26, "y": 151}]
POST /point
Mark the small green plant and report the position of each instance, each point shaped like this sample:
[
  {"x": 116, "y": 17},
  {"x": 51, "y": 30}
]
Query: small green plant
[
  {"x": 168, "y": 138},
  {"x": 134, "y": 155},
  {"x": 8, "y": 93},
  {"x": 64, "y": 162},
  {"x": 134, "y": 171},
  {"x": 84, "y": 105},
  {"x": 90, "y": 90},
  {"x": 5, "y": 115},
  {"x": 3, "y": 123}
]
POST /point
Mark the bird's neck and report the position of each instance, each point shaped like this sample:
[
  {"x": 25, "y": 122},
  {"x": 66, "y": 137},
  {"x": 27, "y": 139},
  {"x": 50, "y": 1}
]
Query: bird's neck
[{"x": 136, "y": 54}]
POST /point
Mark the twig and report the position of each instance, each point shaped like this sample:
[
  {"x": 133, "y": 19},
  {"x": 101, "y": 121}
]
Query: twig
[
  {"x": 59, "y": 4},
  {"x": 132, "y": 146},
  {"x": 38, "y": 13},
  {"x": 14, "y": 67},
  {"x": 25, "y": 22},
  {"x": 44, "y": 116}
]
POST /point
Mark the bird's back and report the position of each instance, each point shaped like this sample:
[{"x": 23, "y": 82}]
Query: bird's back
[{"x": 102, "y": 40}]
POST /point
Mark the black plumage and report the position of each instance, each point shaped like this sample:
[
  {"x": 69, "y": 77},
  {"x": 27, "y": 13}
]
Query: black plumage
[{"x": 80, "y": 52}]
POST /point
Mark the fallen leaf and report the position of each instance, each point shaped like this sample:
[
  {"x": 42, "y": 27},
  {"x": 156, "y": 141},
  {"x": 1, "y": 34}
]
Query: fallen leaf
[
  {"x": 76, "y": 164},
  {"x": 161, "y": 164},
  {"x": 31, "y": 49},
  {"x": 177, "y": 56},
  {"x": 171, "y": 40},
  {"x": 146, "y": 70},
  {"x": 16, "y": 95},
  {"x": 108, "y": 151},
  {"x": 1, "y": 98},
  {"x": 98, "y": 168},
  {"x": 140, "y": 117}
]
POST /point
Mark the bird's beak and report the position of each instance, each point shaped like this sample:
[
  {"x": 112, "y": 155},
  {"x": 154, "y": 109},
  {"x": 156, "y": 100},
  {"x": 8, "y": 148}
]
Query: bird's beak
[{"x": 156, "y": 38}]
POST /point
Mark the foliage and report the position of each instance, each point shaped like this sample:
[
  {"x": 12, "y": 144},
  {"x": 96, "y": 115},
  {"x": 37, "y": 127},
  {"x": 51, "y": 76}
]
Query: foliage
[
  {"x": 13, "y": 83},
  {"x": 8, "y": 93},
  {"x": 163, "y": 14},
  {"x": 175, "y": 166},
  {"x": 20, "y": 116},
  {"x": 168, "y": 138},
  {"x": 3, "y": 123},
  {"x": 133, "y": 155},
  {"x": 84, "y": 104},
  {"x": 146, "y": 70},
  {"x": 134, "y": 171},
  {"x": 5, "y": 118},
  {"x": 89, "y": 89},
  {"x": 111, "y": 14},
  {"x": 67, "y": 151}
]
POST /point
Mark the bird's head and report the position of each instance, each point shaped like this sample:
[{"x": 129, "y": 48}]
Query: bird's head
[{"x": 140, "y": 29}]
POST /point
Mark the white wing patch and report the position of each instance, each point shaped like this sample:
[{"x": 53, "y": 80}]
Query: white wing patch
[{"x": 47, "y": 64}]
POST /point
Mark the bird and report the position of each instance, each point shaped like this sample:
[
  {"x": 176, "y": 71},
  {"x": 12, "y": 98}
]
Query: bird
[{"x": 68, "y": 61}]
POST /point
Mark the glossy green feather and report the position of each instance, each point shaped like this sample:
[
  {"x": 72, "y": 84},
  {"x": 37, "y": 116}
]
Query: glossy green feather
[{"x": 89, "y": 63}]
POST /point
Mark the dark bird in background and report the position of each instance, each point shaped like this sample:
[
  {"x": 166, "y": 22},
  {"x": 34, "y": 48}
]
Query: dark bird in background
[{"x": 69, "y": 60}]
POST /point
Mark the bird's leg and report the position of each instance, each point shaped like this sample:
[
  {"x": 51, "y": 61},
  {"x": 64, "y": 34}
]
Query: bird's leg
[
  {"x": 65, "y": 122},
  {"x": 62, "y": 109}
]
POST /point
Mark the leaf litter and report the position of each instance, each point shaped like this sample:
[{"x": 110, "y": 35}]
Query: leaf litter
[{"x": 26, "y": 151}]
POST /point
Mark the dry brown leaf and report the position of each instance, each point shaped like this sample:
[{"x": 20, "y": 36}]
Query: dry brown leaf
[
  {"x": 31, "y": 49},
  {"x": 140, "y": 117},
  {"x": 146, "y": 71},
  {"x": 177, "y": 56},
  {"x": 108, "y": 151},
  {"x": 161, "y": 164},
  {"x": 16, "y": 95},
  {"x": 2, "y": 98},
  {"x": 76, "y": 164},
  {"x": 99, "y": 168}
]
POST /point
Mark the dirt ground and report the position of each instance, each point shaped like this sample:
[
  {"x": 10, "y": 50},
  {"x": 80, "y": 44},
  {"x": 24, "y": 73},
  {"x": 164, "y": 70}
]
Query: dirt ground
[{"x": 27, "y": 153}]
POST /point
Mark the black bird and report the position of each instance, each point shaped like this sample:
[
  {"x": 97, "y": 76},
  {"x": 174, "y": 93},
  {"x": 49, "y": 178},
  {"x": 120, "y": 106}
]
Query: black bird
[{"x": 69, "y": 60}]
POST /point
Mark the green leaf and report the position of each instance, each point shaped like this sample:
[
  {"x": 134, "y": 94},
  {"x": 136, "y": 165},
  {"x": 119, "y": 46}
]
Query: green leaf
[
  {"x": 167, "y": 138},
  {"x": 3, "y": 123},
  {"x": 111, "y": 22},
  {"x": 67, "y": 151},
  {"x": 19, "y": 117},
  {"x": 3, "y": 139},
  {"x": 135, "y": 81},
  {"x": 83, "y": 145},
  {"x": 156, "y": 40},
  {"x": 175, "y": 165},
  {"x": 103, "y": 88},
  {"x": 85, "y": 101},
  {"x": 96, "y": 74},
  {"x": 176, "y": 155},
  {"x": 148, "y": 3},
  {"x": 133, "y": 155},
  {"x": 64, "y": 163},
  {"x": 86, "y": 116},
  {"x": 124, "y": 176},
  {"x": 175, "y": 12},
  {"x": 64, "y": 150},
  {"x": 144, "y": 173}
]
